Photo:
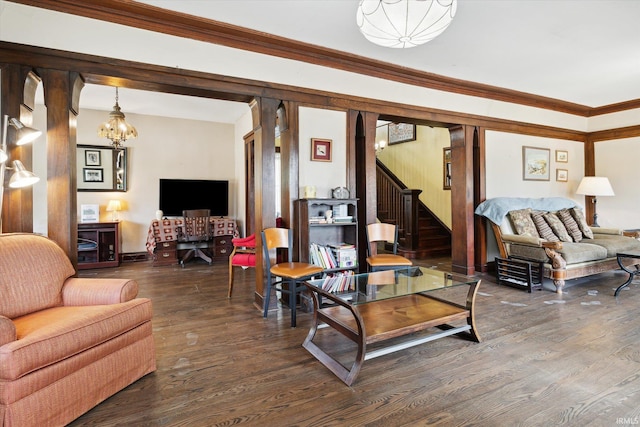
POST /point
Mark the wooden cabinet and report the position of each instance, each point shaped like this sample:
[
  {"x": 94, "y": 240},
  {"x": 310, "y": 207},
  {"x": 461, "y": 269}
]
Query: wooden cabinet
[
  {"x": 98, "y": 245},
  {"x": 311, "y": 225}
]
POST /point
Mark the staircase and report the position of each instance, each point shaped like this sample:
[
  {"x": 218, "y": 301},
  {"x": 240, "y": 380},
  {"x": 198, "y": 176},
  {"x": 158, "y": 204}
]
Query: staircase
[{"x": 420, "y": 233}]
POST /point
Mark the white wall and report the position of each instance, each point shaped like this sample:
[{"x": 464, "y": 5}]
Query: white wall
[
  {"x": 618, "y": 161},
  {"x": 504, "y": 167},
  {"x": 325, "y": 124}
]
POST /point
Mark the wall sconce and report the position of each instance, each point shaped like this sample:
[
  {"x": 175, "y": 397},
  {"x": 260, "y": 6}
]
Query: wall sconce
[
  {"x": 114, "y": 206},
  {"x": 595, "y": 186},
  {"x": 21, "y": 177},
  {"x": 380, "y": 145}
]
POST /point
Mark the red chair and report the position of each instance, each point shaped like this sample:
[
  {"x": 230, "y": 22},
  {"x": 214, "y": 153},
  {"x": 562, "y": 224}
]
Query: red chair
[{"x": 243, "y": 255}]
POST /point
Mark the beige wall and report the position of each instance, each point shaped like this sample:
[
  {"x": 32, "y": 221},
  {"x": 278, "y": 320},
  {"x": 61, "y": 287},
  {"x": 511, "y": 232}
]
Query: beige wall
[{"x": 419, "y": 165}]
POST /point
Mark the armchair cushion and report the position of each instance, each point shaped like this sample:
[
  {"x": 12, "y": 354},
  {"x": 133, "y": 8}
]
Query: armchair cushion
[
  {"x": 7, "y": 331},
  {"x": 31, "y": 280},
  {"x": 51, "y": 335},
  {"x": 79, "y": 291}
]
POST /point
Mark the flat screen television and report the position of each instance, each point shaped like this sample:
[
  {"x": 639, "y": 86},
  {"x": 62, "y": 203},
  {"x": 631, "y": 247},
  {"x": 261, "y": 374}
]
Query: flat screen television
[{"x": 177, "y": 195}]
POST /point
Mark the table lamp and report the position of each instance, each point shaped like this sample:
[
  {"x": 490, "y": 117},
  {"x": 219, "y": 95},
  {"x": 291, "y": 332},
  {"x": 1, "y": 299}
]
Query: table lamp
[
  {"x": 114, "y": 206},
  {"x": 595, "y": 186}
]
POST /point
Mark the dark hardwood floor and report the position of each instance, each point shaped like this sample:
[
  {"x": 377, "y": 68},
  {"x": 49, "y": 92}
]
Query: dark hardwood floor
[{"x": 545, "y": 360}]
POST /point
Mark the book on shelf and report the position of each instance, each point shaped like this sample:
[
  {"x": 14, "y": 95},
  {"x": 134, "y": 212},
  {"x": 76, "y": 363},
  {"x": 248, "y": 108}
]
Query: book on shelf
[
  {"x": 339, "y": 255},
  {"x": 339, "y": 282}
]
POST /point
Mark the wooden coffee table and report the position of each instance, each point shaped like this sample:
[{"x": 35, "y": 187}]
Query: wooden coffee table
[{"x": 375, "y": 307}]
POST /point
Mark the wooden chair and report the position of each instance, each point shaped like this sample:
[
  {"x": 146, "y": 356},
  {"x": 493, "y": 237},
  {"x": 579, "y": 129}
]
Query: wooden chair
[
  {"x": 243, "y": 255},
  {"x": 197, "y": 232},
  {"x": 381, "y": 232},
  {"x": 291, "y": 273}
]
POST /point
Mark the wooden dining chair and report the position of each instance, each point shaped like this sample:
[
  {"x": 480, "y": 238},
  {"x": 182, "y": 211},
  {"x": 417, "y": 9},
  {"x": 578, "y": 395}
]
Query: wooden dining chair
[
  {"x": 381, "y": 232},
  {"x": 290, "y": 273},
  {"x": 243, "y": 255}
]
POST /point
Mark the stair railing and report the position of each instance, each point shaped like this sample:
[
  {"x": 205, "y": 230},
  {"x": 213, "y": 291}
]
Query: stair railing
[{"x": 398, "y": 205}]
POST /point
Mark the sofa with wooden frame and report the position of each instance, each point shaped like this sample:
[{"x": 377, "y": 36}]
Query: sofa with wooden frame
[
  {"x": 66, "y": 343},
  {"x": 578, "y": 253}
]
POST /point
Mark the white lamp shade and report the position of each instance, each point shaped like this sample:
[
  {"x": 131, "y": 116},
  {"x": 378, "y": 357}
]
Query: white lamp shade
[
  {"x": 404, "y": 23},
  {"x": 595, "y": 186},
  {"x": 3, "y": 156},
  {"x": 114, "y": 206},
  {"x": 22, "y": 177}
]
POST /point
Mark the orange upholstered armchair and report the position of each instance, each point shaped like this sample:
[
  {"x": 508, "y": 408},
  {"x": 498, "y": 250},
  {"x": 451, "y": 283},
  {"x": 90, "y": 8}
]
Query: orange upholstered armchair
[
  {"x": 66, "y": 343},
  {"x": 243, "y": 255}
]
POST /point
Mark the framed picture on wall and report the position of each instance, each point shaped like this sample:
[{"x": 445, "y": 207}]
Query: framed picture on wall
[
  {"x": 93, "y": 175},
  {"x": 535, "y": 164},
  {"x": 89, "y": 213},
  {"x": 446, "y": 168},
  {"x": 92, "y": 157},
  {"x": 562, "y": 175},
  {"x": 562, "y": 156},
  {"x": 401, "y": 132},
  {"x": 320, "y": 150}
]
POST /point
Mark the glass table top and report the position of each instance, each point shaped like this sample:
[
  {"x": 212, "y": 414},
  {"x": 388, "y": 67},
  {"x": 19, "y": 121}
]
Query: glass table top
[{"x": 368, "y": 287}]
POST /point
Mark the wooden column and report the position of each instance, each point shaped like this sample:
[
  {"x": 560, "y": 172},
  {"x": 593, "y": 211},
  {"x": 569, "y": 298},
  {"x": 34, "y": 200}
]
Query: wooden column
[
  {"x": 18, "y": 101},
  {"x": 480, "y": 195},
  {"x": 61, "y": 95},
  {"x": 589, "y": 170},
  {"x": 263, "y": 112},
  {"x": 462, "y": 218},
  {"x": 362, "y": 184}
]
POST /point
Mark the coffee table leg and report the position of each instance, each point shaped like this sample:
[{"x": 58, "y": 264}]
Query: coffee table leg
[
  {"x": 348, "y": 376},
  {"x": 631, "y": 275}
]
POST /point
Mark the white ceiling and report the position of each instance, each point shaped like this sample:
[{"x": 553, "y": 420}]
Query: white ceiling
[{"x": 586, "y": 52}]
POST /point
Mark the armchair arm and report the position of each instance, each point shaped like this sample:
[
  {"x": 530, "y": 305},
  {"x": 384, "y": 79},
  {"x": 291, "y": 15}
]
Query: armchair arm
[
  {"x": 7, "y": 331},
  {"x": 522, "y": 239},
  {"x": 599, "y": 230},
  {"x": 91, "y": 291}
]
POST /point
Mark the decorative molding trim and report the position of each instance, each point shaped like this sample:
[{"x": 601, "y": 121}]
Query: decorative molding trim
[{"x": 143, "y": 16}]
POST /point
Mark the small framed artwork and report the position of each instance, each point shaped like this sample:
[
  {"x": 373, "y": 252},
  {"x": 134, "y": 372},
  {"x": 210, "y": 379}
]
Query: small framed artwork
[
  {"x": 535, "y": 164},
  {"x": 89, "y": 213},
  {"x": 446, "y": 169},
  {"x": 562, "y": 156},
  {"x": 562, "y": 175},
  {"x": 320, "y": 150},
  {"x": 92, "y": 158},
  {"x": 92, "y": 175},
  {"x": 401, "y": 132}
]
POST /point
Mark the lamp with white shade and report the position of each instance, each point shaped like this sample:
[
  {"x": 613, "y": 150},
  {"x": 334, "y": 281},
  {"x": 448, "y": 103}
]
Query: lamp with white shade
[
  {"x": 114, "y": 206},
  {"x": 595, "y": 186},
  {"x": 21, "y": 177}
]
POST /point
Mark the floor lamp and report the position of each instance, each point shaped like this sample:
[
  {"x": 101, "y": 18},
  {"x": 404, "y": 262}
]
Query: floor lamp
[
  {"x": 595, "y": 186},
  {"x": 21, "y": 177}
]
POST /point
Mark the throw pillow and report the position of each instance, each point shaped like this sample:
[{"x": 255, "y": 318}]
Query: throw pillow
[
  {"x": 523, "y": 223},
  {"x": 578, "y": 215},
  {"x": 570, "y": 224},
  {"x": 557, "y": 226},
  {"x": 543, "y": 227}
]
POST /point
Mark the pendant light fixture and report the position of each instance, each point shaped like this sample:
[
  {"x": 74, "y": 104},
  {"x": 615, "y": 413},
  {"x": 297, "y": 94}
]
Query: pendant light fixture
[
  {"x": 404, "y": 23},
  {"x": 116, "y": 128}
]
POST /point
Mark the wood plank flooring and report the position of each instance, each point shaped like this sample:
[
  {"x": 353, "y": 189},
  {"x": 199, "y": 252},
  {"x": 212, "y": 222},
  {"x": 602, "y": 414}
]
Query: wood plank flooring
[{"x": 545, "y": 360}]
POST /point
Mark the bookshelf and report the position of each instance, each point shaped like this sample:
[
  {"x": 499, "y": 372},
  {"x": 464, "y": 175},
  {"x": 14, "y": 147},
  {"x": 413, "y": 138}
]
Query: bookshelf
[{"x": 338, "y": 235}]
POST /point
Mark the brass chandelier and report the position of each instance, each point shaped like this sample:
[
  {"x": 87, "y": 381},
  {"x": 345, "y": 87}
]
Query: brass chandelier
[{"x": 116, "y": 128}]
